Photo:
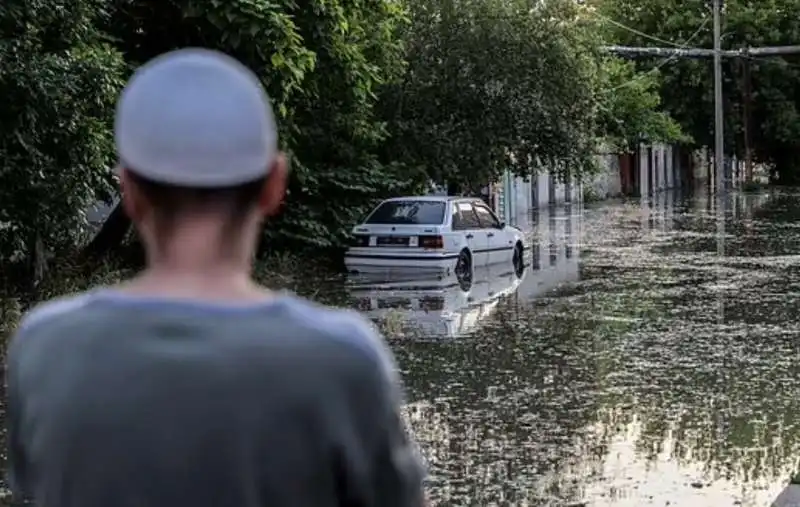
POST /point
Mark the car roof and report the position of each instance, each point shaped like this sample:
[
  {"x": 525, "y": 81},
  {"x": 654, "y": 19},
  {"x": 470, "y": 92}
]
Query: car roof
[{"x": 435, "y": 198}]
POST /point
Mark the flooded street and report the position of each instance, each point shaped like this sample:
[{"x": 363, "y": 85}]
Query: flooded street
[
  {"x": 648, "y": 355},
  {"x": 631, "y": 365}
]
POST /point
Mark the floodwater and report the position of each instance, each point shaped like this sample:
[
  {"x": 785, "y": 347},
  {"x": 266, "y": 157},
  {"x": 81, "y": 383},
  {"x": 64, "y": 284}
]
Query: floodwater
[{"x": 649, "y": 356}]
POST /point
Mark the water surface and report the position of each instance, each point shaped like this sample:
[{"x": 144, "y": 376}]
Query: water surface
[{"x": 648, "y": 357}]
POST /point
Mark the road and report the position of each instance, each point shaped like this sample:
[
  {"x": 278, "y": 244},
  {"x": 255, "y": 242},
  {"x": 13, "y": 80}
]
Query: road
[{"x": 656, "y": 365}]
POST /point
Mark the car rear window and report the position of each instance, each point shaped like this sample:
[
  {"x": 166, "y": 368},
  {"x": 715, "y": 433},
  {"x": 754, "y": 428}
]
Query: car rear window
[{"x": 408, "y": 212}]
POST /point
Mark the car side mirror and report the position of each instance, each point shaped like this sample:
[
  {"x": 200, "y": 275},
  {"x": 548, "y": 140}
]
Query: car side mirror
[{"x": 502, "y": 225}]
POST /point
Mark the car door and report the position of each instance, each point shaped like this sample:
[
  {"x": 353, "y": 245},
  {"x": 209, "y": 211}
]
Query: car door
[
  {"x": 466, "y": 221},
  {"x": 498, "y": 243}
]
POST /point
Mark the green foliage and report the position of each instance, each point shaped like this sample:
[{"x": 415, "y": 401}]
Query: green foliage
[
  {"x": 687, "y": 85},
  {"x": 59, "y": 81},
  {"x": 493, "y": 85},
  {"x": 339, "y": 174},
  {"x": 322, "y": 63},
  {"x": 629, "y": 108},
  {"x": 375, "y": 99}
]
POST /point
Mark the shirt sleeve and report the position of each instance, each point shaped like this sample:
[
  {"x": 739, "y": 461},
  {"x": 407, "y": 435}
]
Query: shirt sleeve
[{"x": 395, "y": 466}]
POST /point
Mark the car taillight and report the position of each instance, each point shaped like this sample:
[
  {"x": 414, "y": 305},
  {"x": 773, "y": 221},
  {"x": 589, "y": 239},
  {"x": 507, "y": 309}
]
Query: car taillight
[
  {"x": 360, "y": 240},
  {"x": 431, "y": 242}
]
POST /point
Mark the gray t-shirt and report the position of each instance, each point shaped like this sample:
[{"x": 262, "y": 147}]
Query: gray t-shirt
[{"x": 116, "y": 401}]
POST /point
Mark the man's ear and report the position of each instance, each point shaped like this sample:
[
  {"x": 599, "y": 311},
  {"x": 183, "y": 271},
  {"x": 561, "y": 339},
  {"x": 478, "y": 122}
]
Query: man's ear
[
  {"x": 274, "y": 190},
  {"x": 131, "y": 198}
]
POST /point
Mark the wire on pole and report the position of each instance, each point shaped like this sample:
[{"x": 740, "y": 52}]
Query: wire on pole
[
  {"x": 702, "y": 52},
  {"x": 648, "y": 36},
  {"x": 665, "y": 62}
]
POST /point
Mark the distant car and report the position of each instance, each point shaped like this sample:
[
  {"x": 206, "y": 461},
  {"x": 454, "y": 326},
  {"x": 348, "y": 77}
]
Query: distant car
[{"x": 435, "y": 235}]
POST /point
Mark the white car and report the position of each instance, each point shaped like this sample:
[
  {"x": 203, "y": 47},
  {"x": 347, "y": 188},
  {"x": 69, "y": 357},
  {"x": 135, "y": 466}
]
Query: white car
[{"x": 434, "y": 235}]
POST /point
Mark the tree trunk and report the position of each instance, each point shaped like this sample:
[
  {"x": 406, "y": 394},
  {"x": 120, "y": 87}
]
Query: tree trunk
[{"x": 37, "y": 258}]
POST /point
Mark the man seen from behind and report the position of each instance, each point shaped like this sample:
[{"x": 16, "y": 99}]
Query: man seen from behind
[{"x": 190, "y": 385}]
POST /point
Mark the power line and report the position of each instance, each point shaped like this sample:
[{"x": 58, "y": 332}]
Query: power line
[
  {"x": 648, "y": 36},
  {"x": 777, "y": 60},
  {"x": 771, "y": 55},
  {"x": 683, "y": 51},
  {"x": 665, "y": 62},
  {"x": 683, "y": 45},
  {"x": 686, "y": 52}
]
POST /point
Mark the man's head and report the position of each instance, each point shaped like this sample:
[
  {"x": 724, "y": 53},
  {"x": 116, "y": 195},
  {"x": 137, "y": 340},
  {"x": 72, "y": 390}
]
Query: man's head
[{"x": 199, "y": 159}]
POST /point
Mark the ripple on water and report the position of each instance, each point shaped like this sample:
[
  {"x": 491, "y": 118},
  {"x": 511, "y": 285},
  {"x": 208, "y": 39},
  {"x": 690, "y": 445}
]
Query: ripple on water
[
  {"x": 664, "y": 373},
  {"x": 649, "y": 356}
]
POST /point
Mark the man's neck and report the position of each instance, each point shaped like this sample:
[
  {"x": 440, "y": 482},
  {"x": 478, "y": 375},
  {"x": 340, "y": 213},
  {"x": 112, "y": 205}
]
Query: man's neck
[{"x": 219, "y": 283}]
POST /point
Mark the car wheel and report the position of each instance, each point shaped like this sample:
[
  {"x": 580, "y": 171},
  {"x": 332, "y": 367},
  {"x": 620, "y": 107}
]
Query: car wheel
[
  {"x": 463, "y": 269},
  {"x": 518, "y": 260}
]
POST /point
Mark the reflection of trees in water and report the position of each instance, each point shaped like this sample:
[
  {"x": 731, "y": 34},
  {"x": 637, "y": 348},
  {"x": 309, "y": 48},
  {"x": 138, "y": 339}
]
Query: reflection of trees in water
[
  {"x": 509, "y": 413},
  {"x": 779, "y": 208},
  {"x": 475, "y": 461},
  {"x": 739, "y": 451},
  {"x": 725, "y": 393},
  {"x": 724, "y": 396},
  {"x": 754, "y": 225},
  {"x": 526, "y": 410},
  {"x": 529, "y": 409},
  {"x": 727, "y": 401}
]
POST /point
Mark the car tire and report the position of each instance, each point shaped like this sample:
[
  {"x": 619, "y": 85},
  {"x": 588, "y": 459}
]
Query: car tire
[
  {"x": 463, "y": 269},
  {"x": 518, "y": 259}
]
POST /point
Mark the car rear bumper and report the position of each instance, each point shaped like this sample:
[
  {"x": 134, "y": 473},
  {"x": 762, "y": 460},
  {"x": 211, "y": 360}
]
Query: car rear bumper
[{"x": 368, "y": 261}]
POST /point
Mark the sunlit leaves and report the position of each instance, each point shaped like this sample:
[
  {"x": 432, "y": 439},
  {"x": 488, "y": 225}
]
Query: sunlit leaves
[
  {"x": 629, "y": 104},
  {"x": 492, "y": 86}
]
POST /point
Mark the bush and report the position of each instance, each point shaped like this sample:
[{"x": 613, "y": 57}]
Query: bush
[{"x": 59, "y": 82}]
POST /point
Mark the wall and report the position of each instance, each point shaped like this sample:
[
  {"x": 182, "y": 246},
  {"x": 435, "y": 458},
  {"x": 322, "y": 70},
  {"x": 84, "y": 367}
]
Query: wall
[
  {"x": 608, "y": 182},
  {"x": 649, "y": 171},
  {"x": 515, "y": 197}
]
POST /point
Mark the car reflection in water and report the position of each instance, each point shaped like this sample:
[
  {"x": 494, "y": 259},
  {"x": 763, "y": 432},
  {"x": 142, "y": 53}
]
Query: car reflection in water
[
  {"x": 447, "y": 308},
  {"x": 436, "y": 308}
]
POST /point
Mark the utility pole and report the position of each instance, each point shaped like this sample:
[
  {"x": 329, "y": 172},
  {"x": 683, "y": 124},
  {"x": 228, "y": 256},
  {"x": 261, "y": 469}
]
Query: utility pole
[
  {"x": 748, "y": 98},
  {"x": 717, "y": 53},
  {"x": 719, "y": 165}
]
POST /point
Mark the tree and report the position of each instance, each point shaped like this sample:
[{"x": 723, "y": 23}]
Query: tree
[
  {"x": 687, "y": 85},
  {"x": 59, "y": 81},
  {"x": 323, "y": 63},
  {"x": 629, "y": 106},
  {"x": 493, "y": 85},
  {"x": 375, "y": 99}
]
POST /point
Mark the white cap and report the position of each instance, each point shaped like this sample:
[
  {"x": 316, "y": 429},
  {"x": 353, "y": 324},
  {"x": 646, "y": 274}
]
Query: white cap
[{"x": 195, "y": 118}]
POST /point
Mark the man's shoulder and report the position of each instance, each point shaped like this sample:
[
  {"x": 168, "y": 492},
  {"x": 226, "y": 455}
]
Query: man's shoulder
[
  {"x": 53, "y": 310},
  {"x": 345, "y": 327},
  {"x": 319, "y": 326},
  {"x": 43, "y": 324}
]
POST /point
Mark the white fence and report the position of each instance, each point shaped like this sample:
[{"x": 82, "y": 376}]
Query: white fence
[{"x": 514, "y": 197}]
